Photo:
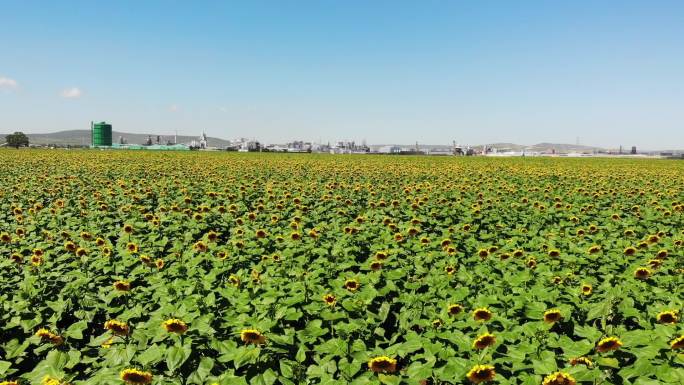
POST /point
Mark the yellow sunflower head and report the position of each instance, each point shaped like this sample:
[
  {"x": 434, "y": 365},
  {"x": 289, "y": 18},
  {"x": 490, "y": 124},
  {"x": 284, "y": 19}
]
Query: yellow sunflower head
[
  {"x": 667, "y": 317},
  {"x": 559, "y": 378},
  {"x": 482, "y": 314},
  {"x": 481, "y": 373},
  {"x": 382, "y": 364},
  {"x": 552, "y": 316},
  {"x": 117, "y": 327},
  {"x": 484, "y": 341},
  {"x": 252, "y": 336},
  {"x": 174, "y": 325},
  {"x": 136, "y": 377},
  {"x": 642, "y": 273},
  {"x": 677, "y": 343},
  {"x": 455, "y": 309},
  {"x": 122, "y": 286},
  {"x": 587, "y": 289},
  {"x": 330, "y": 299},
  {"x": 352, "y": 284},
  {"x": 608, "y": 344},
  {"x": 581, "y": 361}
]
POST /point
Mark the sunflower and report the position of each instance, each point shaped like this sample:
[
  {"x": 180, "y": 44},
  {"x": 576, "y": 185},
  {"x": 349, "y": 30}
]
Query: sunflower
[
  {"x": 132, "y": 247},
  {"x": 159, "y": 263},
  {"x": 587, "y": 289},
  {"x": 677, "y": 343},
  {"x": 662, "y": 254},
  {"x": 252, "y": 336},
  {"x": 16, "y": 258},
  {"x": 295, "y": 236},
  {"x": 481, "y": 373},
  {"x": 261, "y": 233},
  {"x": 36, "y": 260},
  {"x": 48, "y": 336},
  {"x": 484, "y": 341},
  {"x": 9, "y": 382},
  {"x": 5, "y": 238},
  {"x": 330, "y": 300},
  {"x": 531, "y": 263},
  {"x": 450, "y": 270},
  {"x": 655, "y": 263},
  {"x": 136, "y": 377},
  {"x": 594, "y": 249},
  {"x": 352, "y": 284},
  {"x": 653, "y": 239},
  {"x": 212, "y": 236},
  {"x": 455, "y": 309},
  {"x": 559, "y": 378},
  {"x": 667, "y": 317},
  {"x": 376, "y": 265},
  {"x": 642, "y": 273},
  {"x": 234, "y": 280},
  {"x": 608, "y": 344},
  {"x": 381, "y": 255},
  {"x": 483, "y": 253},
  {"x": 382, "y": 364},
  {"x": 117, "y": 328},
  {"x": 518, "y": 253},
  {"x": 552, "y": 316},
  {"x": 581, "y": 361},
  {"x": 553, "y": 253},
  {"x": 482, "y": 314},
  {"x": 122, "y": 286},
  {"x": 200, "y": 246},
  {"x": 174, "y": 325},
  {"x": 629, "y": 251},
  {"x": 437, "y": 323},
  {"x": 47, "y": 380},
  {"x": 70, "y": 246},
  {"x": 128, "y": 229}
]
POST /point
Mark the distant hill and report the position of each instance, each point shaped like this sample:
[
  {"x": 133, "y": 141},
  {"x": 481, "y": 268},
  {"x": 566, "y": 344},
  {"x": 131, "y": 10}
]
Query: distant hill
[{"x": 82, "y": 137}]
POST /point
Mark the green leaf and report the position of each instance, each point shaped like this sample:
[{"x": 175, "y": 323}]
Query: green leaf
[
  {"x": 4, "y": 365},
  {"x": 286, "y": 368},
  {"x": 175, "y": 357},
  {"x": 75, "y": 331},
  {"x": 266, "y": 378},
  {"x": 546, "y": 364},
  {"x": 152, "y": 355}
]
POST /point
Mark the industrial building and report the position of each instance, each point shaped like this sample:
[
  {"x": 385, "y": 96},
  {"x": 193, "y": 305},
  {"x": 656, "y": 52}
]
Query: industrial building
[
  {"x": 101, "y": 137},
  {"x": 100, "y": 134}
]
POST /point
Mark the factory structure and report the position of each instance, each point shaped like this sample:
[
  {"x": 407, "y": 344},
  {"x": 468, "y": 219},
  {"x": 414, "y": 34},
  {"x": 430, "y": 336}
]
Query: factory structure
[{"x": 101, "y": 137}]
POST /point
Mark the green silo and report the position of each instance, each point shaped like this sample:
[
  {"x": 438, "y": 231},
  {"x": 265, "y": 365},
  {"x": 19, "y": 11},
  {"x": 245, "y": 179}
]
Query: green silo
[{"x": 100, "y": 134}]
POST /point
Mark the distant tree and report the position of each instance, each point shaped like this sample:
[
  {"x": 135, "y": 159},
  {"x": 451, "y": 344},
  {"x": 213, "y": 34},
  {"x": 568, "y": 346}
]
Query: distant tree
[{"x": 18, "y": 139}]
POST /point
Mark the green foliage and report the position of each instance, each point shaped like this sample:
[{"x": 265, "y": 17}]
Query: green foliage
[
  {"x": 16, "y": 140},
  {"x": 207, "y": 239}
]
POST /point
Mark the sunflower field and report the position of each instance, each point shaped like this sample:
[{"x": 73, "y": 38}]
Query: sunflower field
[{"x": 143, "y": 268}]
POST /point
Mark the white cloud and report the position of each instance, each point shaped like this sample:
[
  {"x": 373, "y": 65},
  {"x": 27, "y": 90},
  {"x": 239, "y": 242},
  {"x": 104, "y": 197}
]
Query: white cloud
[
  {"x": 7, "y": 83},
  {"x": 71, "y": 93},
  {"x": 173, "y": 108}
]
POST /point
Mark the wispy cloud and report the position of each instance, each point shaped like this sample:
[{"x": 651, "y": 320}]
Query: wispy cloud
[
  {"x": 173, "y": 107},
  {"x": 71, "y": 93},
  {"x": 8, "y": 83}
]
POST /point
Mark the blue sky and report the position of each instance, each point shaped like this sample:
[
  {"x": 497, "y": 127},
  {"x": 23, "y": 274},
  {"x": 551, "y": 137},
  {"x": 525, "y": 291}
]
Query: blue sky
[{"x": 608, "y": 72}]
